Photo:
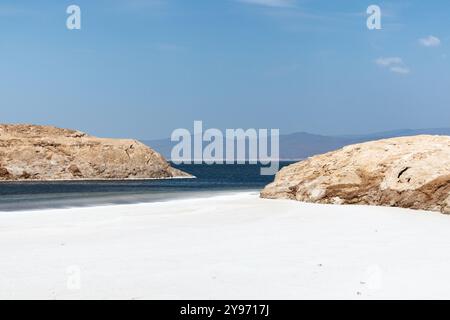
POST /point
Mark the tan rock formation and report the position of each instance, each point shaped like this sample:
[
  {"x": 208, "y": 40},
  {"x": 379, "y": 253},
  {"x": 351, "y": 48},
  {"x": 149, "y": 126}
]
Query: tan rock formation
[
  {"x": 29, "y": 152},
  {"x": 408, "y": 172}
]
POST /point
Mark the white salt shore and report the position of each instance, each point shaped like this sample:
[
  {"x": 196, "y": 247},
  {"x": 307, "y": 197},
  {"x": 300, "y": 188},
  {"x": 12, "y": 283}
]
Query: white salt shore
[{"x": 233, "y": 246}]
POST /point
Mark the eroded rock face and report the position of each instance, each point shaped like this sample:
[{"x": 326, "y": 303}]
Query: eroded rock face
[
  {"x": 408, "y": 172},
  {"x": 29, "y": 152}
]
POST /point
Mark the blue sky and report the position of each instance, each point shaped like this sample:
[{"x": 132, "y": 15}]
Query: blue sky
[{"x": 142, "y": 68}]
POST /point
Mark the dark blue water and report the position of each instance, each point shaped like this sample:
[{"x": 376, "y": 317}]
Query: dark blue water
[{"x": 211, "y": 180}]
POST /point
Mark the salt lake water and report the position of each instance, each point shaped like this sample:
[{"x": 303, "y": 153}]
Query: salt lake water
[{"x": 211, "y": 180}]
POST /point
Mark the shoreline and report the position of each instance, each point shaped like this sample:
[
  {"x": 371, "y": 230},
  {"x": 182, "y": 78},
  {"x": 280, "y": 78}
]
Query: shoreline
[
  {"x": 184, "y": 196},
  {"x": 97, "y": 180}
]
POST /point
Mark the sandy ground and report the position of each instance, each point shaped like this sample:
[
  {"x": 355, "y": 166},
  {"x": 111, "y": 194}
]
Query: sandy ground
[{"x": 233, "y": 246}]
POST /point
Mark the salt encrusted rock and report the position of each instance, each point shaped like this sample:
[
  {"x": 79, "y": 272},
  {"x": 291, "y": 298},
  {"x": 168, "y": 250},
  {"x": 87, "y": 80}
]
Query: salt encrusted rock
[
  {"x": 408, "y": 172},
  {"x": 29, "y": 152}
]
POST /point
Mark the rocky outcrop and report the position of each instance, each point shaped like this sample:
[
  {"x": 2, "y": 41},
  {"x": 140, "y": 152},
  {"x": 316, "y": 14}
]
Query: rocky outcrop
[
  {"x": 29, "y": 152},
  {"x": 408, "y": 172}
]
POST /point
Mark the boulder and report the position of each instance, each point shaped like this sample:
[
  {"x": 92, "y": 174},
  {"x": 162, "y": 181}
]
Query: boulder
[
  {"x": 29, "y": 152},
  {"x": 408, "y": 172}
]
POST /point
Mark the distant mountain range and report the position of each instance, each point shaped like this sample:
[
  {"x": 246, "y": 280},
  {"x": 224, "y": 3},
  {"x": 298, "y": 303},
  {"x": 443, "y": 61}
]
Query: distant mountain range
[{"x": 301, "y": 145}]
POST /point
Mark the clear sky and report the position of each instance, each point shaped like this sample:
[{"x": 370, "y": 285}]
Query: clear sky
[{"x": 142, "y": 68}]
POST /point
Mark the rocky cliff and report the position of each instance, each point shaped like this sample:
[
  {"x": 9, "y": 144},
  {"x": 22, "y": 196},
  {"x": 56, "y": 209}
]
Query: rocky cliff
[
  {"x": 29, "y": 152},
  {"x": 409, "y": 172}
]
